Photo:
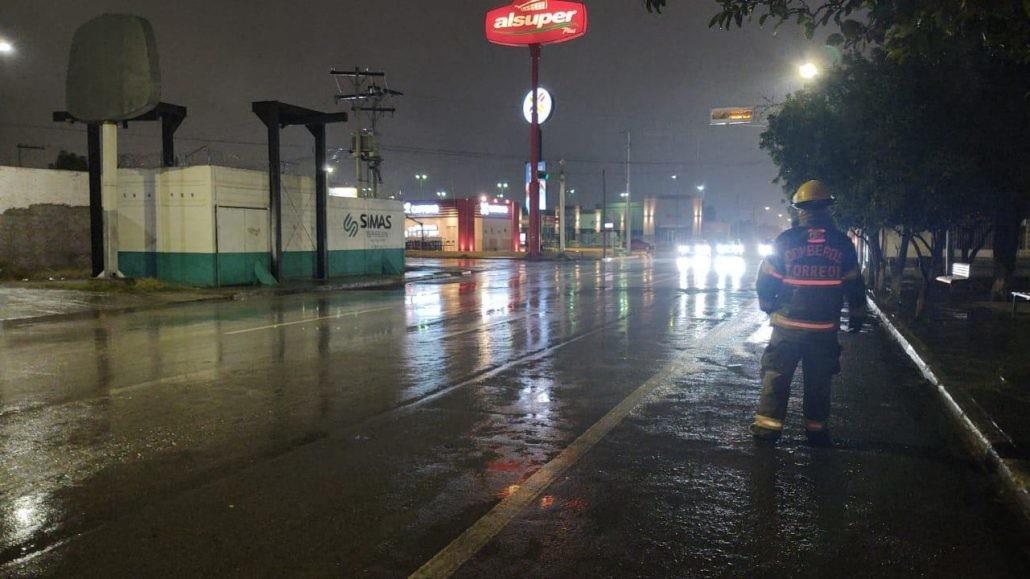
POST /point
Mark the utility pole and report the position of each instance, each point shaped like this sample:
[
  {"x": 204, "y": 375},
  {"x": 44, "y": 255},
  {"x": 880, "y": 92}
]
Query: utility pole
[
  {"x": 629, "y": 199},
  {"x": 604, "y": 215},
  {"x": 561, "y": 207},
  {"x": 368, "y": 96},
  {"x": 604, "y": 230}
]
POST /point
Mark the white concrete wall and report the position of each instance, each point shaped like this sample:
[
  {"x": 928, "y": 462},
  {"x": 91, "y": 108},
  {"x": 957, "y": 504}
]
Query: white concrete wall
[
  {"x": 166, "y": 210},
  {"x": 249, "y": 189},
  {"x": 20, "y": 188}
]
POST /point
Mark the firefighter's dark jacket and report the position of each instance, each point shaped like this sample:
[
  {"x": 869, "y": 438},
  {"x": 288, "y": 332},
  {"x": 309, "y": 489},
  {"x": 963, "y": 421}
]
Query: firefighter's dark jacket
[{"x": 812, "y": 269}]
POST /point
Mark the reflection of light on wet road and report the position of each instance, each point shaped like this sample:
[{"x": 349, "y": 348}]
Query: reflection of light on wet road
[
  {"x": 693, "y": 271},
  {"x": 493, "y": 300},
  {"x": 761, "y": 336},
  {"x": 730, "y": 271},
  {"x": 424, "y": 304},
  {"x": 27, "y": 516},
  {"x": 507, "y": 491}
]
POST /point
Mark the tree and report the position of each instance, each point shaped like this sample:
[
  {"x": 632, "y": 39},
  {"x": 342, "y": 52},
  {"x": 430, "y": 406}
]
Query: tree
[
  {"x": 984, "y": 47},
  {"x": 68, "y": 161},
  {"x": 902, "y": 27},
  {"x": 873, "y": 131}
]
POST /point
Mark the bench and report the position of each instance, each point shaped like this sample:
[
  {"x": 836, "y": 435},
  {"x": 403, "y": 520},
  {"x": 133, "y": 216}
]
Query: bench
[
  {"x": 959, "y": 272},
  {"x": 1025, "y": 296}
]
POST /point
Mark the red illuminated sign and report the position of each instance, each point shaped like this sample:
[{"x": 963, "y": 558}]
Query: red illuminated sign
[{"x": 527, "y": 22}]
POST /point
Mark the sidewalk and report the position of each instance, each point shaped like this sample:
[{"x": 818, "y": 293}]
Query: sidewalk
[
  {"x": 976, "y": 353},
  {"x": 34, "y": 302}
]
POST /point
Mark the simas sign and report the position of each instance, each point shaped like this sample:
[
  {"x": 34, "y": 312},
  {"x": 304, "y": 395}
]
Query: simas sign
[
  {"x": 528, "y": 22},
  {"x": 372, "y": 223}
]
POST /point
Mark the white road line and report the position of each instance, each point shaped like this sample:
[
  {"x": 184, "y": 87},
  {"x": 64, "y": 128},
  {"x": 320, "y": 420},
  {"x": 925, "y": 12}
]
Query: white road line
[
  {"x": 309, "y": 320},
  {"x": 463, "y": 548}
]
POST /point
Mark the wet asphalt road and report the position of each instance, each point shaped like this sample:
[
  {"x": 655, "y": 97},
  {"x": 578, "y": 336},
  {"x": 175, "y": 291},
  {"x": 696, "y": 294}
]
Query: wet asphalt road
[{"x": 358, "y": 434}]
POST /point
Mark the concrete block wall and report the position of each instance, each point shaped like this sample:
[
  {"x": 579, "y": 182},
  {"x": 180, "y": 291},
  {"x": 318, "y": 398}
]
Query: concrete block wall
[{"x": 44, "y": 220}]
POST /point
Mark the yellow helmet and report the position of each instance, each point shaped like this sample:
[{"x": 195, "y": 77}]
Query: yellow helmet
[{"x": 811, "y": 192}]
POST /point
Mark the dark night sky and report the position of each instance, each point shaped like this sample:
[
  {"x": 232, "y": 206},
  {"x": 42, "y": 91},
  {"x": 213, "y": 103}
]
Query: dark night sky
[{"x": 459, "y": 121}]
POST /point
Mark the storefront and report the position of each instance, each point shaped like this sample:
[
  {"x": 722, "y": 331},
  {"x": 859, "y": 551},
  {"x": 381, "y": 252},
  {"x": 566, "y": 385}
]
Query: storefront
[{"x": 462, "y": 225}]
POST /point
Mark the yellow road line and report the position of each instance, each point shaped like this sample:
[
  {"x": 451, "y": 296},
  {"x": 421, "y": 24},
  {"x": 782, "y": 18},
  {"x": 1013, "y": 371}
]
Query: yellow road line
[
  {"x": 463, "y": 548},
  {"x": 309, "y": 320}
]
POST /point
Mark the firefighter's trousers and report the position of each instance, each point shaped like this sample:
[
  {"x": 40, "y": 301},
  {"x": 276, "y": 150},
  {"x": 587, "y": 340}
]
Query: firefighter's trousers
[{"x": 819, "y": 354}]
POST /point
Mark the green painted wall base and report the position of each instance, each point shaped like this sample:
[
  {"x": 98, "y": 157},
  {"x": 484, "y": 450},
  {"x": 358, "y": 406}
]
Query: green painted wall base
[{"x": 228, "y": 269}]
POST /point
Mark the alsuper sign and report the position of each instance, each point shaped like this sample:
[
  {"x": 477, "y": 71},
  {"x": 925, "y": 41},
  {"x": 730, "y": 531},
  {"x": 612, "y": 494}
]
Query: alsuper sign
[{"x": 529, "y": 22}]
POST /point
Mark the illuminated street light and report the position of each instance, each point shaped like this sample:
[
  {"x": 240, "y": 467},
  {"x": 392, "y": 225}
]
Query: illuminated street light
[
  {"x": 6, "y": 47},
  {"x": 502, "y": 188},
  {"x": 421, "y": 178},
  {"x": 766, "y": 208},
  {"x": 808, "y": 71},
  {"x": 624, "y": 195},
  {"x": 329, "y": 169},
  {"x": 701, "y": 188},
  {"x": 441, "y": 194},
  {"x": 674, "y": 177}
]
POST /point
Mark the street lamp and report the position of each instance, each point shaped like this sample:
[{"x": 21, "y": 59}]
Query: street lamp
[
  {"x": 6, "y": 47},
  {"x": 572, "y": 192},
  {"x": 808, "y": 71},
  {"x": 421, "y": 178},
  {"x": 766, "y": 208},
  {"x": 502, "y": 188},
  {"x": 441, "y": 194},
  {"x": 674, "y": 177},
  {"x": 329, "y": 169}
]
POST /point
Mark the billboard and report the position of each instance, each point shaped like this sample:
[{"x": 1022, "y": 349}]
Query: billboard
[
  {"x": 732, "y": 116},
  {"x": 528, "y": 22}
]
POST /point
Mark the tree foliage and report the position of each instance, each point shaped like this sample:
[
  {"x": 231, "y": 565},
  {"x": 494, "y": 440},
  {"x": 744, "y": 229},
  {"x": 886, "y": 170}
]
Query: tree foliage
[
  {"x": 902, "y": 27},
  {"x": 68, "y": 161},
  {"x": 920, "y": 145}
]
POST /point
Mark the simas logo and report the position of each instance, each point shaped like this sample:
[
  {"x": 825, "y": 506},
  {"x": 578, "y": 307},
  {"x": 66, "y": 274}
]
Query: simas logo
[
  {"x": 375, "y": 224},
  {"x": 527, "y": 22},
  {"x": 350, "y": 226}
]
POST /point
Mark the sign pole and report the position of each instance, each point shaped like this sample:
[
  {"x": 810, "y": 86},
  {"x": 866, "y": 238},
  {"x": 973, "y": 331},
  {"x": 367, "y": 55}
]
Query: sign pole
[
  {"x": 109, "y": 197},
  {"x": 561, "y": 207},
  {"x": 533, "y": 239}
]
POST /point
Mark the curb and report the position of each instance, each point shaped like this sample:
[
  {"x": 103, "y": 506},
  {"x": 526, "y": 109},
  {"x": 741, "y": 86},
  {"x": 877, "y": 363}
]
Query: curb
[
  {"x": 986, "y": 441},
  {"x": 94, "y": 314}
]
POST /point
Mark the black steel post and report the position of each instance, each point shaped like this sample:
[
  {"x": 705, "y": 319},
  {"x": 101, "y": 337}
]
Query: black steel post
[
  {"x": 321, "y": 199},
  {"x": 168, "y": 126},
  {"x": 96, "y": 208},
  {"x": 275, "y": 208}
]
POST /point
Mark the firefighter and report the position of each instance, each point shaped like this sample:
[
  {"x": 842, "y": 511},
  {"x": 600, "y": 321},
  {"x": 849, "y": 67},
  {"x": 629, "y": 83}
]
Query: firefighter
[{"x": 802, "y": 285}]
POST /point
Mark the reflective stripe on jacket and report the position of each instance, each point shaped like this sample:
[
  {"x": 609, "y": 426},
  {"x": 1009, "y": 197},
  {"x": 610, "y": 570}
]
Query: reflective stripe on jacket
[{"x": 811, "y": 271}]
